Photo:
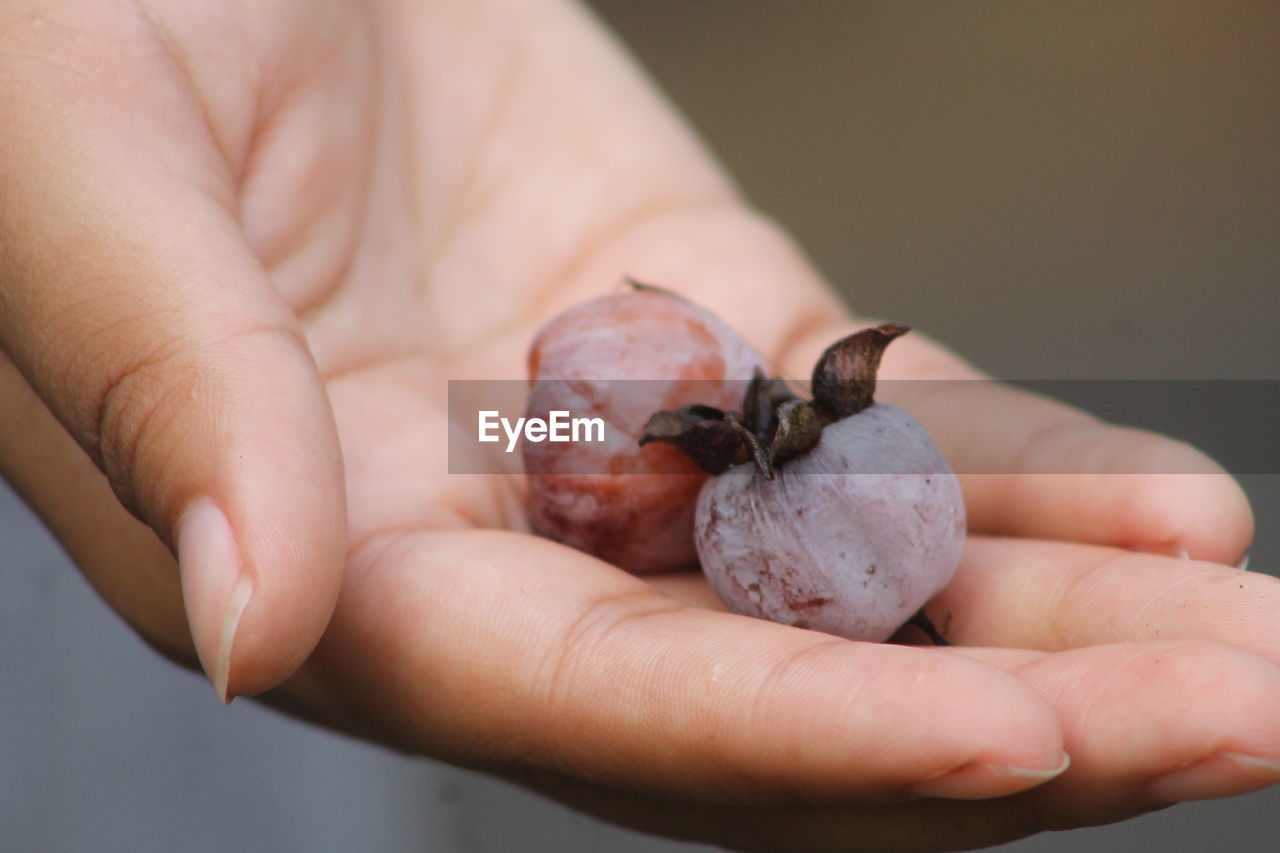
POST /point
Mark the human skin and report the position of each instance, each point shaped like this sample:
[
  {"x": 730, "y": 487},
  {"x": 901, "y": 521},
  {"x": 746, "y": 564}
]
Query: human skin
[{"x": 240, "y": 251}]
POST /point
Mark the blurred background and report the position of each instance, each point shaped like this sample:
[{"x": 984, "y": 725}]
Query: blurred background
[{"x": 1084, "y": 190}]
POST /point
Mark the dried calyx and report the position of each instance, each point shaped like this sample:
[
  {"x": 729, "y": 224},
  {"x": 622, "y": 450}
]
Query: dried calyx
[{"x": 775, "y": 425}]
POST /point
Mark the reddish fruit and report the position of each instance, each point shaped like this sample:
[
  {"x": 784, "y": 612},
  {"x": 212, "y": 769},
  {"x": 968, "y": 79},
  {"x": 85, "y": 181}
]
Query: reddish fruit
[
  {"x": 846, "y": 518},
  {"x": 620, "y": 357}
]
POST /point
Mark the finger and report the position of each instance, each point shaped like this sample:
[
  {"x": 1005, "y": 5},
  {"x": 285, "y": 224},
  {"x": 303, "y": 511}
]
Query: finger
[
  {"x": 1159, "y": 722},
  {"x": 59, "y": 482},
  {"x": 1049, "y": 595},
  {"x": 908, "y": 826},
  {"x": 1146, "y": 725},
  {"x": 133, "y": 307},
  {"x": 1034, "y": 467},
  {"x": 496, "y": 649}
]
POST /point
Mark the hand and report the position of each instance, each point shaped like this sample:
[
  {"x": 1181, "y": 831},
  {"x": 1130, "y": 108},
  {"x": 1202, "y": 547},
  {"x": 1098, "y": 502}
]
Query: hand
[{"x": 243, "y": 247}]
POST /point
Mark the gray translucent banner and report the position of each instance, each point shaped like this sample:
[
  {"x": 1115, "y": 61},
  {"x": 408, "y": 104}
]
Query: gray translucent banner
[{"x": 592, "y": 427}]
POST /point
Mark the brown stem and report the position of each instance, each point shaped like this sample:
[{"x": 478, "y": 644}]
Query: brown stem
[{"x": 924, "y": 623}]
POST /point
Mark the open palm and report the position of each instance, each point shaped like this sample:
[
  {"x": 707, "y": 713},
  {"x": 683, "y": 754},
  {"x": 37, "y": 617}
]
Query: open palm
[{"x": 294, "y": 223}]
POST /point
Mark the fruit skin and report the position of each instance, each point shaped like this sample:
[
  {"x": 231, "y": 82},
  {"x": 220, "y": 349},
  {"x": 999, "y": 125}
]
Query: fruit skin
[
  {"x": 851, "y": 538},
  {"x": 632, "y": 506}
]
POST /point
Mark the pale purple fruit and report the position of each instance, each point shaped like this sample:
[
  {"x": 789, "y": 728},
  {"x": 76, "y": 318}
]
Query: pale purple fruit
[
  {"x": 838, "y": 513},
  {"x": 851, "y": 537}
]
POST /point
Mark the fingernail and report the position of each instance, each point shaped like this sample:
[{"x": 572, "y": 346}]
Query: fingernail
[
  {"x": 979, "y": 780},
  {"x": 1223, "y": 775},
  {"x": 1243, "y": 565},
  {"x": 215, "y": 588}
]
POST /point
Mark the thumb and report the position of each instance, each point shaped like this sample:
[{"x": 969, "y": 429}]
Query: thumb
[{"x": 133, "y": 306}]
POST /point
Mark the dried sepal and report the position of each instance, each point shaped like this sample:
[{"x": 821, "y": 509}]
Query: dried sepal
[
  {"x": 671, "y": 422},
  {"x": 760, "y": 453},
  {"x": 702, "y": 433},
  {"x": 760, "y": 404},
  {"x": 645, "y": 287},
  {"x": 799, "y": 428},
  {"x": 775, "y": 425},
  {"x": 844, "y": 379}
]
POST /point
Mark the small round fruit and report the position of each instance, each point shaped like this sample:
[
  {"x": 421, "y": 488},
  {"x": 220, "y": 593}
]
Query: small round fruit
[
  {"x": 620, "y": 357},
  {"x": 838, "y": 513},
  {"x": 851, "y": 538}
]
